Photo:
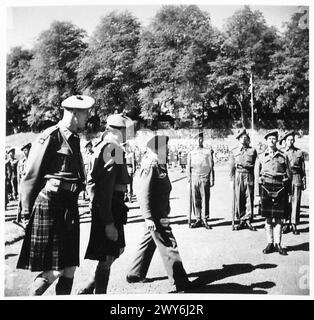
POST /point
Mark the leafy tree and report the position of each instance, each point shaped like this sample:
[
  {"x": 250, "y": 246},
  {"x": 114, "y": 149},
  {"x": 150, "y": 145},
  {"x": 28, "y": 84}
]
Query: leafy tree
[
  {"x": 17, "y": 104},
  {"x": 52, "y": 76},
  {"x": 173, "y": 60},
  {"x": 107, "y": 68}
]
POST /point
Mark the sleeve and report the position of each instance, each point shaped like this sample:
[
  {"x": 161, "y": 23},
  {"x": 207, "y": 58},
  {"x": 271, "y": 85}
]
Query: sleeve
[
  {"x": 144, "y": 195},
  {"x": 257, "y": 170},
  {"x": 213, "y": 166},
  {"x": 303, "y": 172},
  {"x": 232, "y": 166},
  {"x": 33, "y": 180},
  {"x": 101, "y": 181}
]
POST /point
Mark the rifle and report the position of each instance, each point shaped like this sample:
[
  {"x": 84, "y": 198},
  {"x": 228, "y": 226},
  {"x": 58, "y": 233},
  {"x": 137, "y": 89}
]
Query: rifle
[
  {"x": 190, "y": 195},
  {"x": 233, "y": 203}
]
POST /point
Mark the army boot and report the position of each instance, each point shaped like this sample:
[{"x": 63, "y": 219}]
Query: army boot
[{"x": 64, "y": 286}]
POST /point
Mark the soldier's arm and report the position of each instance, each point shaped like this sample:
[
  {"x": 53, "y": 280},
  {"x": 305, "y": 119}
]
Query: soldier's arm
[
  {"x": 232, "y": 166},
  {"x": 106, "y": 186},
  {"x": 212, "y": 173},
  {"x": 257, "y": 170},
  {"x": 32, "y": 181},
  {"x": 144, "y": 195}
]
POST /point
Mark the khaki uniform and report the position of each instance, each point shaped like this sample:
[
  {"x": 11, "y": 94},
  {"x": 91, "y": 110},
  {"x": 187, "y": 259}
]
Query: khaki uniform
[
  {"x": 297, "y": 164},
  {"x": 200, "y": 168},
  {"x": 11, "y": 174},
  {"x": 242, "y": 161},
  {"x": 272, "y": 177},
  {"x": 153, "y": 198}
]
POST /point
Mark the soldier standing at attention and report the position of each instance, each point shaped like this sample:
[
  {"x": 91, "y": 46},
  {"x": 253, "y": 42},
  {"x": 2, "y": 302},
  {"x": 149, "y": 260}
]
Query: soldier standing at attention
[
  {"x": 297, "y": 165},
  {"x": 11, "y": 169},
  {"x": 107, "y": 183},
  {"x": 49, "y": 191},
  {"x": 201, "y": 175},
  {"x": 21, "y": 170},
  {"x": 155, "y": 207},
  {"x": 272, "y": 179},
  {"x": 242, "y": 178}
]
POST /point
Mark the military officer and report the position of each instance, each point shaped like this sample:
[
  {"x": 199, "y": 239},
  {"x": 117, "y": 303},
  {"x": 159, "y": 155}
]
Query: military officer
[
  {"x": 298, "y": 184},
  {"x": 242, "y": 161},
  {"x": 272, "y": 178},
  {"x": 201, "y": 175},
  {"x": 11, "y": 170},
  {"x": 155, "y": 208},
  {"x": 21, "y": 169},
  {"x": 107, "y": 183},
  {"x": 49, "y": 194}
]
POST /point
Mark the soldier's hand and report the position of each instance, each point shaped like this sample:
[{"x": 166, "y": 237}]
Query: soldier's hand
[
  {"x": 111, "y": 232},
  {"x": 150, "y": 225},
  {"x": 257, "y": 201}
]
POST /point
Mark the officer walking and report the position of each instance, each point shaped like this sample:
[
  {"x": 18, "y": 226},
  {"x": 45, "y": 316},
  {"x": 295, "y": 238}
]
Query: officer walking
[
  {"x": 21, "y": 170},
  {"x": 201, "y": 176},
  {"x": 107, "y": 183},
  {"x": 242, "y": 161},
  {"x": 49, "y": 194},
  {"x": 298, "y": 184},
  {"x": 153, "y": 198},
  {"x": 272, "y": 178}
]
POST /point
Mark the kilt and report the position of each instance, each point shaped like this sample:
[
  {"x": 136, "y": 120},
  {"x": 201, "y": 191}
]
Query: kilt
[
  {"x": 274, "y": 200},
  {"x": 99, "y": 246},
  {"x": 52, "y": 236}
]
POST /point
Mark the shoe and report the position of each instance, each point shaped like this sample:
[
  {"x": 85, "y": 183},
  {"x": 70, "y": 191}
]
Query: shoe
[
  {"x": 135, "y": 279},
  {"x": 86, "y": 291},
  {"x": 281, "y": 251},
  {"x": 241, "y": 225},
  {"x": 248, "y": 223},
  {"x": 295, "y": 231},
  {"x": 197, "y": 224},
  {"x": 182, "y": 288},
  {"x": 269, "y": 249},
  {"x": 206, "y": 225},
  {"x": 286, "y": 228}
]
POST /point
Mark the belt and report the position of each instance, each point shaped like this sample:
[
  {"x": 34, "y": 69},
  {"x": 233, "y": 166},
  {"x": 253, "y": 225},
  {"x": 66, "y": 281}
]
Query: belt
[
  {"x": 120, "y": 187},
  {"x": 244, "y": 170},
  {"x": 55, "y": 185}
]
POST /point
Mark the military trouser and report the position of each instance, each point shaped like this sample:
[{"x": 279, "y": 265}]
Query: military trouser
[
  {"x": 273, "y": 230},
  {"x": 244, "y": 195},
  {"x": 164, "y": 240},
  {"x": 200, "y": 196},
  {"x": 295, "y": 204}
]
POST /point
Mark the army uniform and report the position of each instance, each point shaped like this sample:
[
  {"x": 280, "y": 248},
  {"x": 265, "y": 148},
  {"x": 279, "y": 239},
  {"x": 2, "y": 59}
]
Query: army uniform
[
  {"x": 11, "y": 173},
  {"x": 106, "y": 184},
  {"x": 183, "y": 158},
  {"x": 297, "y": 165},
  {"x": 49, "y": 192},
  {"x": 242, "y": 161},
  {"x": 200, "y": 167},
  {"x": 272, "y": 178},
  {"x": 153, "y": 198},
  {"x": 21, "y": 170}
]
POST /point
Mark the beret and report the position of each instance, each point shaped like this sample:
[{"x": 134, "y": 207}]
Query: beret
[
  {"x": 241, "y": 132},
  {"x": 118, "y": 120},
  {"x": 78, "y": 102}
]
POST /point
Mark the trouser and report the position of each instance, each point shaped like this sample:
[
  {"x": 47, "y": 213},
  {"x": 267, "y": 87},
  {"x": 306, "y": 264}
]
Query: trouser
[
  {"x": 295, "y": 204},
  {"x": 164, "y": 240},
  {"x": 200, "y": 197},
  {"x": 273, "y": 230},
  {"x": 244, "y": 196}
]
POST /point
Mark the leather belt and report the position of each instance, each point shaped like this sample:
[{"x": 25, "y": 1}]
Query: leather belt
[{"x": 55, "y": 185}]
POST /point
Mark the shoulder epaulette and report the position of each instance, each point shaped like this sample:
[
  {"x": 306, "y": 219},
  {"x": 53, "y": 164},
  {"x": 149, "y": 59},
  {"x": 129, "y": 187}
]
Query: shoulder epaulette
[{"x": 46, "y": 134}]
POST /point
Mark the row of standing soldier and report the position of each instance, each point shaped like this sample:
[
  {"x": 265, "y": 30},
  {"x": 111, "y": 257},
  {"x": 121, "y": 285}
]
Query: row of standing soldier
[
  {"x": 278, "y": 181},
  {"x": 49, "y": 196}
]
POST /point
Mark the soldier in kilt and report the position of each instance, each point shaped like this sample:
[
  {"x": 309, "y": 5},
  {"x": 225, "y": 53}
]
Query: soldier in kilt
[
  {"x": 272, "y": 180},
  {"x": 107, "y": 183},
  {"x": 49, "y": 196}
]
